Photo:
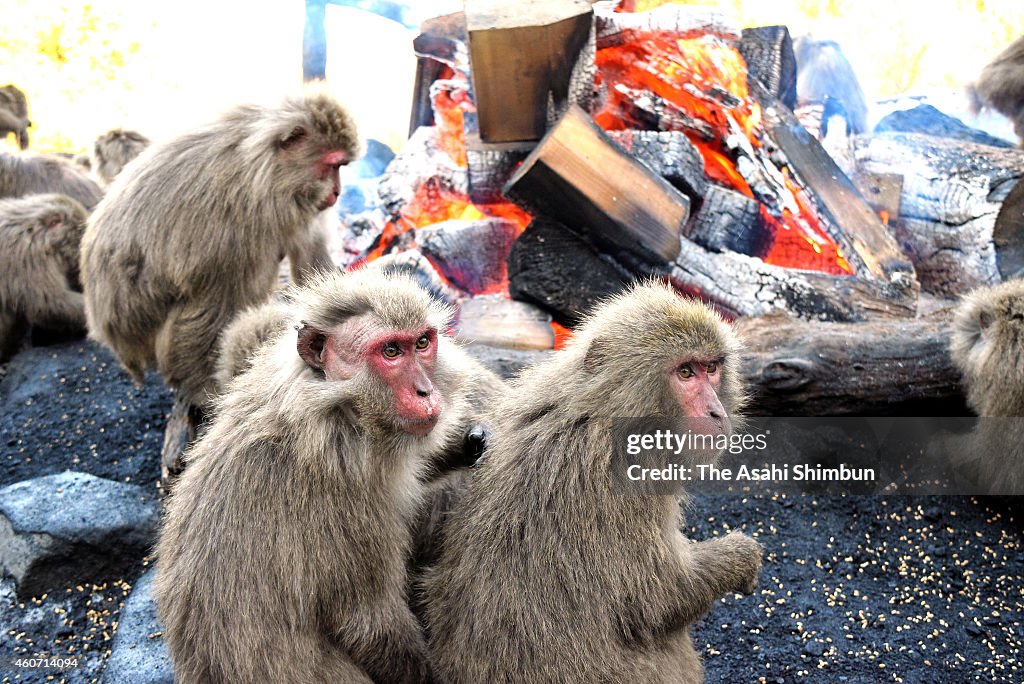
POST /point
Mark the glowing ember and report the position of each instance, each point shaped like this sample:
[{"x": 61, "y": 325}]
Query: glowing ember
[
  {"x": 702, "y": 81},
  {"x": 451, "y": 101}
]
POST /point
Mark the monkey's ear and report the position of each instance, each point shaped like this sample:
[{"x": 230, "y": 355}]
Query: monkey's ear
[
  {"x": 985, "y": 319},
  {"x": 293, "y": 138},
  {"x": 311, "y": 346},
  {"x": 52, "y": 221}
]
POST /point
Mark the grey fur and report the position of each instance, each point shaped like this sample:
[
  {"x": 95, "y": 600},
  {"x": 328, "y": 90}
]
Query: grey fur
[
  {"x": 987, "y": 345},
  {"x": 39, "y": 243},
  {"x": 33, "y": 174},
  {"x": 14, "y": 114},
  {"x": 283, "y": 554},
  {"x": 546, "y": 574},
  {"x": 192, "y": 231},
  {"x": 113, "y": 150},
  {"x": 1001, "y": 85}
]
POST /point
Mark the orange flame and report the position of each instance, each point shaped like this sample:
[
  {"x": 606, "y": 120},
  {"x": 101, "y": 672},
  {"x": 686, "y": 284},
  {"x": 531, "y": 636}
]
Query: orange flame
[{"x": 704, "y": 77}]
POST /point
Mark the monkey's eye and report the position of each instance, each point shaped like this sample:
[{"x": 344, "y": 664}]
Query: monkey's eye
[
  {"x": 390, "y": 350},
  {"x": 685, "y": 371},
  {"x": 423, "y": 343},
  {"x": 712, "y": 368}
]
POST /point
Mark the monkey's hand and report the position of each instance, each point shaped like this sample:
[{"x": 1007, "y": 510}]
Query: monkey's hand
[
  {"x": 474, "y": 443},
  {"x": 746, "y": 553}
]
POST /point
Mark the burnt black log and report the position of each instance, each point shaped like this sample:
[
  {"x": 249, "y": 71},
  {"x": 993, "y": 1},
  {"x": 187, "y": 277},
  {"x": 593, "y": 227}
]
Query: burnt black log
[
  {"x": 729, "y": 221},
  {"x": 472, "y": 255},
  {"x": 768, "y": 52},
  {"x": 555, "y": 269},
  {"x": 671, "y": 155}
]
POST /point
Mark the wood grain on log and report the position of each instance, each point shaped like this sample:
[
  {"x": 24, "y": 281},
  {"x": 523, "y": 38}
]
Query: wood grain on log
[
  {"x": 740, "y": 285},
  {"x": 523, "y": 56},
  {"x": 877, "y": 367},
  {"x": 579, "y": 177},
  {"x": 951, "y": 196}
]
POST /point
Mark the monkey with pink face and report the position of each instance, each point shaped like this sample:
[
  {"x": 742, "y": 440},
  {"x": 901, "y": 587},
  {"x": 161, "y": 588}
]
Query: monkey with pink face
[
  {"x": 193, "y": 230},
  {"x": 548, "y": 572},
  {"x": 285, "y": 542}
]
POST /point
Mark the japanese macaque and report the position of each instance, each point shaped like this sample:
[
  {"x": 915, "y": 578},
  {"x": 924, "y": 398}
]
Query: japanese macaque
[
  {"x": 192, "y": 232},
  {"x": 33, "y": 174},
  {"x": 1001, "y": 86},
  {"x": 14, "y": 114},
  {"x": 39, "y": 242},
  {"x": 987, "y": 345},
  {"x": 284, "y": 550},
  {"x": 113, "y": 150},
  {"x": 548, "y": 573}
]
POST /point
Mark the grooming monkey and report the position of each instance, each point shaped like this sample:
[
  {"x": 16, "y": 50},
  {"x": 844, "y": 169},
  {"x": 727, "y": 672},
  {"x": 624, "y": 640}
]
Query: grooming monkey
[
  {"x": 547, "y": 574},
  {"x": 113, "y": 150},
  {"x": 39, "y": 242},
  {"x": 987, "y": 345},
  {"x": 192, "y": 232},
  {"x": 283, "y": 554}
]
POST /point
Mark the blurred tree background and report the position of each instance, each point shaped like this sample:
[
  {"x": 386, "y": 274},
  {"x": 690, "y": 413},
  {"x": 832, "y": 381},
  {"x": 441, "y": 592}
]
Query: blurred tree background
[{"x": 163, "y": 67}]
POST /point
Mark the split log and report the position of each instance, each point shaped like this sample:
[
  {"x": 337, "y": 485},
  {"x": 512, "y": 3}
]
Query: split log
[
  {"x": 499, "y": 322},
  {"x": 848, "y": 219},
  {"x": 879, "y": 367},
  {"x": 951, "y": 196},
  {"x": 741, "y": 285},
  {"x": 490, "y": 166},
  {"x": 579, "y": 177},
  {"x": 529, "y": 61}
]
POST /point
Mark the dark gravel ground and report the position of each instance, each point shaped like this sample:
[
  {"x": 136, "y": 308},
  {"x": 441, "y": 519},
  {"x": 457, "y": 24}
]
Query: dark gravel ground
[
  {"x": 72, "y": 407},
  {"x": 855, "y": 589}
]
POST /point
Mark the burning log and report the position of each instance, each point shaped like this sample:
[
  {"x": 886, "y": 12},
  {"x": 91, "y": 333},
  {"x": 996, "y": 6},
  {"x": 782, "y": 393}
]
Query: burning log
[
  {"x": 579, "y": 177},
  {"x": 440, "y": 44},
  {"x": 865, "y": 241},
  {"x": 499, "y": 322},
  {"x": 420, "y": 160},
  {"x": 525, "y": 56},
  {"x": 729, "y": 221},
  {"x": 490, "y": 166},
  {"x": 617, "y": 28},
  {"x": 562, "y": 273},
  {"x": 833, "y": 369},
  {"x": 768, "y": 52},
  {"x": 741, "y": 285},
  {"x": 951, "y": 196},
  {"x": 472, "y": 255},
  {"x": 671, "y": 155}
]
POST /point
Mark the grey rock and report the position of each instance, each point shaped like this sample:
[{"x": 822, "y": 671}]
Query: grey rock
[
  {"x": 139, "y": 654},
  {"x": 73, "y": 528}
]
